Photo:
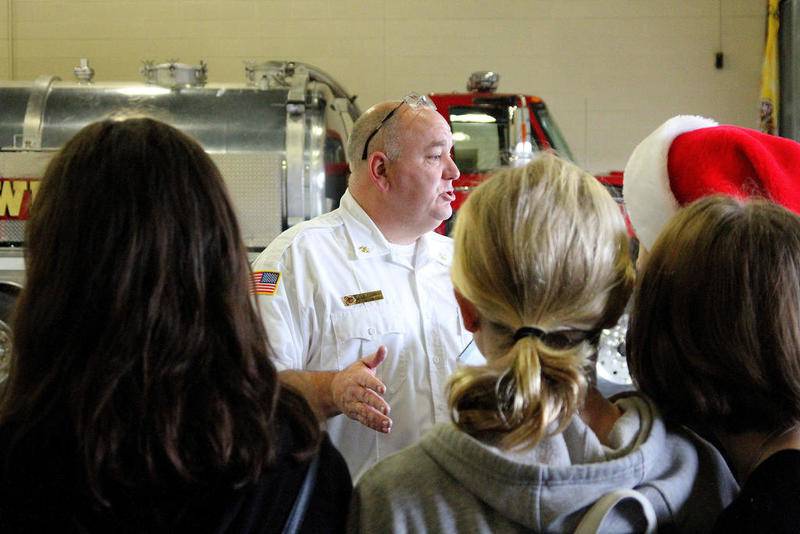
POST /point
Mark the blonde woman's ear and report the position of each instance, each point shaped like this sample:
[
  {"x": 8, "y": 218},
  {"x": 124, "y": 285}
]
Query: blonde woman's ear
[{"x": 468, "y": 312}]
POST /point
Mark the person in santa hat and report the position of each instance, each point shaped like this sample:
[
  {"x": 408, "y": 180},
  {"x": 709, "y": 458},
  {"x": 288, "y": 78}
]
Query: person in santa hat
[{"x": 714, "y": 335}]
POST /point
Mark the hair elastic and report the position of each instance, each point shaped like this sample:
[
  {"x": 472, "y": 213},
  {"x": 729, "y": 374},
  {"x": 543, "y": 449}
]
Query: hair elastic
[{"x": 528, "y": 331}]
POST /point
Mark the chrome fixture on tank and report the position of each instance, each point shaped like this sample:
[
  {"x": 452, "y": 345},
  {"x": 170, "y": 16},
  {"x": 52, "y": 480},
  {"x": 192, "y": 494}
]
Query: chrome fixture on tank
[{"x": 175, "y": 75}]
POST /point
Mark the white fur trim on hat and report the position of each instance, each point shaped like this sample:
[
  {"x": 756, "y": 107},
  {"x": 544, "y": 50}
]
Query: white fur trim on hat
[{"x": 646, "y": 190}]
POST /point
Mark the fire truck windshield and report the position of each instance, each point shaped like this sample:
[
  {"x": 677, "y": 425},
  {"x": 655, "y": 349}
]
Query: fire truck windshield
[
  {"x": 480, "y": 137},
  {"x": 551, "y": 130}
]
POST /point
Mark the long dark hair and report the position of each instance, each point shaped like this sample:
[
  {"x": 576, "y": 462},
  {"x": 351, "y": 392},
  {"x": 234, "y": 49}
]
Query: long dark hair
[{"x": 136, "y": 324}]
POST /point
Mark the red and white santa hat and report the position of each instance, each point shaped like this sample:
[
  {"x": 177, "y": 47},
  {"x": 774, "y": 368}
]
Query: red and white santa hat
[{"x": 689, "y": 157}]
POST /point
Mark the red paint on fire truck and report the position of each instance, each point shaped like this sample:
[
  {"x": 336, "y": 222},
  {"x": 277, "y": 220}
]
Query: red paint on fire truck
[{"x": 493, "y": 130}]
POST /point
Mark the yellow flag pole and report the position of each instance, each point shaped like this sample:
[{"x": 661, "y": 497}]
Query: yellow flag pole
[{"x": 770, "y": 75}]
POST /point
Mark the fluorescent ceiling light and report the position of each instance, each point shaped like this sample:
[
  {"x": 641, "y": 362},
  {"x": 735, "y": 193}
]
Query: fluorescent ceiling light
[{"x": 472, "y": 117}]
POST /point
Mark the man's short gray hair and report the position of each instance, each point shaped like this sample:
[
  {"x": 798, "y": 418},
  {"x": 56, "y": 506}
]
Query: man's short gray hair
[{"x": 387, "y": 139}]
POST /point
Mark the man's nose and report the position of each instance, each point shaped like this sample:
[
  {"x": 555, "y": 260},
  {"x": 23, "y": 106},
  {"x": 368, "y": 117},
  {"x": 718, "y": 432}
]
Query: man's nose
[{"x": 451, "y": 172}]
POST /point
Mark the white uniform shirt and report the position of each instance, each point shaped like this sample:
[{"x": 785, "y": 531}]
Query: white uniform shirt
[{"x": 341, "y": 254}]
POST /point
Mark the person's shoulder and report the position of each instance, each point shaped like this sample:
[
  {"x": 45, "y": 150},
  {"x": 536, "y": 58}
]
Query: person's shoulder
[
  {"x": 333, "y": 479},
  {"x": 38, "y": 488},
  {"x": 770, "y": 499},
  {"x": 302, "y": 238},
  {"x": 390, "y": 490},
  {"x": 401, "y": 469},
  {"x": 417, "y": 464},
  {"x": 333, "y": 461},
  {"x": 675, "y": 451},
  {"x": 305, "y": 233},
  {"x": 689, "y": 472},
  {"x": 779, "y": 476},
  {"x": 667, "y": 437},
  {"x": 785, "y": 459},
  {"x": 686, "y": 442}
]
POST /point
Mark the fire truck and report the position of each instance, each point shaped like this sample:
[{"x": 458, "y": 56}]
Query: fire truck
[{"x": 492, "y": 130}]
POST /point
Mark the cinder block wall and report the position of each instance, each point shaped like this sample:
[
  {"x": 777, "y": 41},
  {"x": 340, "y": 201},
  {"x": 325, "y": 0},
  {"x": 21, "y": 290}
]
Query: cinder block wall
[{"x": 611, "y": 70}]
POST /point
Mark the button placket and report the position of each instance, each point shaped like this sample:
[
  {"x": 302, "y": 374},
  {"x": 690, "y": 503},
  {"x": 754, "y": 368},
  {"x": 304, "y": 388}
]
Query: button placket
[{"x": 434, "y": 349}]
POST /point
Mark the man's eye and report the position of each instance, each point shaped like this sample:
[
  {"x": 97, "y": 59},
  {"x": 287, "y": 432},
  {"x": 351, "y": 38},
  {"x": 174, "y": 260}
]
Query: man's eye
[{"x": 435, "y": 156}]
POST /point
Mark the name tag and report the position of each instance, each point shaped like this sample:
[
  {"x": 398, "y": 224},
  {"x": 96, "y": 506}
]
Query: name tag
[{"x": 361, "y": 298}]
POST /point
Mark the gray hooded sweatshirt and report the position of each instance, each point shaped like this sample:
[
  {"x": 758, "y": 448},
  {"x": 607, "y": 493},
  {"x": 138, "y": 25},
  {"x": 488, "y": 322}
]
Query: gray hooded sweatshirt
[{"x": 451, "y": 482}]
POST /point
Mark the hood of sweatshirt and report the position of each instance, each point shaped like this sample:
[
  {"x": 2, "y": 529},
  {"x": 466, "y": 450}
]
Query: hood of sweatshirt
[{"x": 550, "y": 486}]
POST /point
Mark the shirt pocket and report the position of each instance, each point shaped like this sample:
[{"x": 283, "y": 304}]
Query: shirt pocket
[{"x": 360, "y": 330}]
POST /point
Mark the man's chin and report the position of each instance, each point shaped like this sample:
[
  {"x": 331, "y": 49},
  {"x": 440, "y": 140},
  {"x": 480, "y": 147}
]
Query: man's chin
[{"x": 441, "y": 217}]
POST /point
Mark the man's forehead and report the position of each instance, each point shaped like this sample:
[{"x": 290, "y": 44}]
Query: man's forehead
[
  {"x": 422, "y": 116},
  {"x": 445, "y": 142},
  {"x": 427, "y": 126}
]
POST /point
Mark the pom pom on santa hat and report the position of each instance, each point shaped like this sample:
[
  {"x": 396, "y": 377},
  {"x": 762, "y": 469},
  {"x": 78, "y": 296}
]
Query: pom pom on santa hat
[{"x": 690, "y": 157}]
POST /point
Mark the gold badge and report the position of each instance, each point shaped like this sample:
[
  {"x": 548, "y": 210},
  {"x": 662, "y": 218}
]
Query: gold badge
[
  {"x": 363, "y": 249},
  {"x": 361, "y": 298}
]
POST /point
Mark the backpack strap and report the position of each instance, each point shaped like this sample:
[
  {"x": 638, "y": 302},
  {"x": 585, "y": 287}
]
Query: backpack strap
[
  {"x": 592, "y": 520},
  {"x": 298, "y": 512}
]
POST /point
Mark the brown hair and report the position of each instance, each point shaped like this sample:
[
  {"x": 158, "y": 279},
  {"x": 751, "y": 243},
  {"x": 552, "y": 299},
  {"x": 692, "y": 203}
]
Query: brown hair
[
  {"x": 136, "y": 325},
  {"x": 714, "y": 336},
  {"x": 540, "y": 246}
]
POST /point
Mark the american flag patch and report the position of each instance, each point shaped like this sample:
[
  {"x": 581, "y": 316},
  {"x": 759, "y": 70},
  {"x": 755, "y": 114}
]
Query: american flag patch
[{"x": 265, "y": 282}]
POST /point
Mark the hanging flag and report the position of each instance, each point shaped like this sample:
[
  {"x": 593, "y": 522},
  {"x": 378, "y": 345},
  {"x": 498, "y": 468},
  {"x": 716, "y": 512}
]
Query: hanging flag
[{"x": 770, "y": 76}]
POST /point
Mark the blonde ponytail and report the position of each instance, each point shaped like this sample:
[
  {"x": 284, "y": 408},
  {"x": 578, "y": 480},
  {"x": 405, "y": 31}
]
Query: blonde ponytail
[
  {"x": 517, "y": 398},
  {"x": 542, "y": 245}
]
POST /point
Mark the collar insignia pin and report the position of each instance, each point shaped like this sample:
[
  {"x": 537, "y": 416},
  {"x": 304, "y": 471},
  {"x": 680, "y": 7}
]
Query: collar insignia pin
[{"x": 364, "y": 249}]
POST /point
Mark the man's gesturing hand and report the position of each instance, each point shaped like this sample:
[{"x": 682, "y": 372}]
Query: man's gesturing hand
[{"x": 357, "y": 393}]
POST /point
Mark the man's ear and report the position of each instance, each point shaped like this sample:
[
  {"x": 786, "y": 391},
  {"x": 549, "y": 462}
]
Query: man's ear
[
  {"x": 469, "y": 313},
  {"x": 378, "y": 172}
]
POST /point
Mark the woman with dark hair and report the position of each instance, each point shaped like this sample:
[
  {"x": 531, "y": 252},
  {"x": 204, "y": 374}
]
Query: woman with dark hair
[
  {"x": 714, "y": 341},
  {"x": 141, "y": 396}
]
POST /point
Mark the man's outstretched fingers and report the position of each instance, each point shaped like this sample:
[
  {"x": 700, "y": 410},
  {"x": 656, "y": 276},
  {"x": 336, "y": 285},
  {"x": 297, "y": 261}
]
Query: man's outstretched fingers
[
  {"x": 372, "y": 399},
  {"x": 370, "y": 381},
  {"x": 370, "y": 417}
]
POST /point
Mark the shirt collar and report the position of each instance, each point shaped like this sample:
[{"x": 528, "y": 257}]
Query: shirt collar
[
  {"x": 434, "y": 248},
  {"x": 365, "y": 236}
]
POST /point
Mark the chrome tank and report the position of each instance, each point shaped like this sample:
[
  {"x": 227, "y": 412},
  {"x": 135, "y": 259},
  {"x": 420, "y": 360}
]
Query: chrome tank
[{"x": 278, "y": 138}]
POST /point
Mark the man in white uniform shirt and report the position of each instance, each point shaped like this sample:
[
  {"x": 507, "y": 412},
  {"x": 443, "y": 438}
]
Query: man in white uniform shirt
[{"x": 358, "y": 304}]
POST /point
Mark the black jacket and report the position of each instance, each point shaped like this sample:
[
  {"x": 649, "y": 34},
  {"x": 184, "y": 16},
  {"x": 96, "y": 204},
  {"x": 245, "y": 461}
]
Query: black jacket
[
  {"x": 43, "y": 492},
  {"x": 769, "y": 500}
]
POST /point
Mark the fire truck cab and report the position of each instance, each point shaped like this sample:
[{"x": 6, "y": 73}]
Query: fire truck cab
[{"x": 493, "y": 130}]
